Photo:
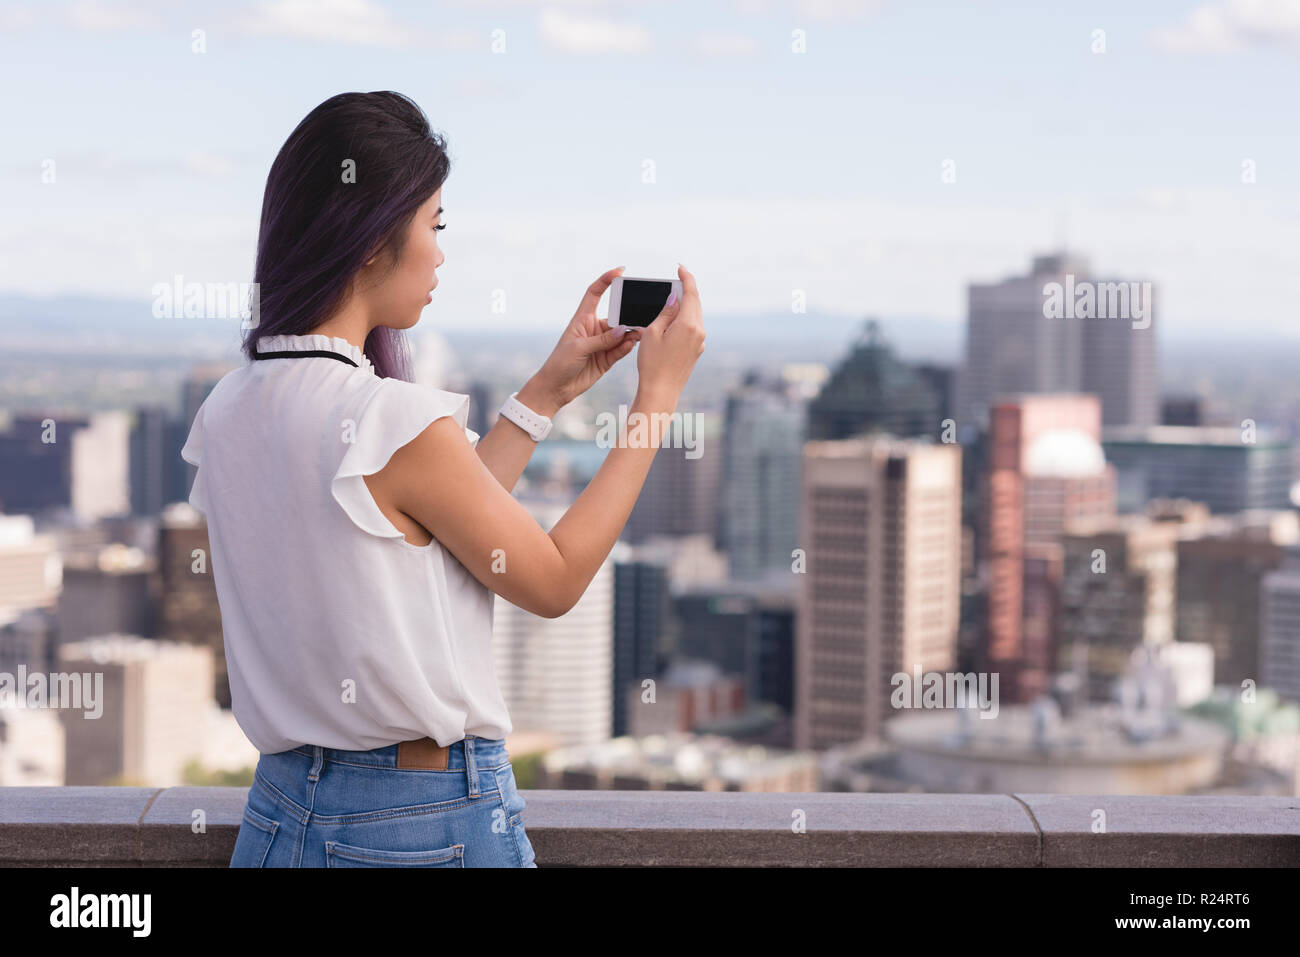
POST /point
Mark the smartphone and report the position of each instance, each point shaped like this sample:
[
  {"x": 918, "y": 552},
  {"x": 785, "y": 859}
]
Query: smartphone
[{"x": 638, "y": 302}]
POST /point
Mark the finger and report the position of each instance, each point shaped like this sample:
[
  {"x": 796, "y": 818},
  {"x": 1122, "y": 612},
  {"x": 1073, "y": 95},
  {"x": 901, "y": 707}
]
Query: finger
[
  {"x": 597, "y": 289},
  {"x": 604, "y": 341},
  {"x": 688, "y": 283},
  {"x": 615, "y": 354},
  {"x": 667, "y": 314}
]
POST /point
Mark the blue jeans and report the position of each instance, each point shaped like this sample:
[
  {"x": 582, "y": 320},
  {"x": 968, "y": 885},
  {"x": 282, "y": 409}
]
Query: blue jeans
[{"x": 322, "y": 807}]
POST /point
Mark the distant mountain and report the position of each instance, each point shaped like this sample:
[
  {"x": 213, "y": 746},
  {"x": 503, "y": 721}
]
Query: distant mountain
[{"x": 73, "y": 323}]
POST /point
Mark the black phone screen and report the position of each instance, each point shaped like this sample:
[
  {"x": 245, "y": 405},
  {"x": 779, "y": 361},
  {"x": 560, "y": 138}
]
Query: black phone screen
[{"x": 643, "y": 300}]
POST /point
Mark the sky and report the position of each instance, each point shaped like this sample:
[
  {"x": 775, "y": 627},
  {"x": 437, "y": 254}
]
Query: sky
[{"x": 875, "y": 156}]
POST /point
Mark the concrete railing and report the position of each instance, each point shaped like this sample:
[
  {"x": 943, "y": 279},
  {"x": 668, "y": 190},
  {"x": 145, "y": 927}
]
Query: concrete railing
[{"x": 155, "y": 827}]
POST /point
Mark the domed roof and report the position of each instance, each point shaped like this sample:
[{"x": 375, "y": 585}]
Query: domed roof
[{"x": 1064, "y": 453}]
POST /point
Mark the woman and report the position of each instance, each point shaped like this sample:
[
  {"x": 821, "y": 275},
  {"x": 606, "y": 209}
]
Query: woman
[{"x": 359, "y": 530}]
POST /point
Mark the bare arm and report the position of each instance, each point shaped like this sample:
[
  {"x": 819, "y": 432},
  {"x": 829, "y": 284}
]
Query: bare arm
[{"x": 439, "y": 482}]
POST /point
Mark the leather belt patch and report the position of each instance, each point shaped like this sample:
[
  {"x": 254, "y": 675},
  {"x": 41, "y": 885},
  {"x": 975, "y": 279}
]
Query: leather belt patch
[{"x": 422, "y": 754}]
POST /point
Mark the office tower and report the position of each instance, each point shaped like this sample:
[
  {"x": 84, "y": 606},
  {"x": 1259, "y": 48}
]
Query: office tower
[
  {"x": 1012, "y": 346},
  {"x": 1119, "y": 586},
  {"x": 745, "y": 630},
  {"x": 881, "y": 525},
  {"x": 874, "y": 391},
  {"x": 716, "y": 624},
  {"x": 942, "y": 381},
  {"x": 1220, "y": 573},
  {"x": 1229, "y": 469},
  {"x": 36, "y": 450},
  {"x": 30, "y": 571},
  {"x": 1182, "y": 410},
  {"x": 642, "y": 619},
  {"x": 556, "y": 673},
  {"x": 680, "y": 494},
  {"x": 28, "y": 639},
  {"x": 762, "y": 454},
  {"x": 688, "y": 695},
  {"x": 154, "y": 701},
  {"x": 108, "y": 591},
  {"x": 775, "y": 672},
  {"x": 1046, "y": 469},
  {"x": 101, "y": 466},
  {"x": 1279, "y": 649},
  {"x": 157, "y": 469},
  {"x": 188, "y": 611},
  {"x": 31, "y": 747},
  {"x": 482, "y": 408}
]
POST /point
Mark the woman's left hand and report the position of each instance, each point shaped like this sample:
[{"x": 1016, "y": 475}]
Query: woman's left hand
[{"x": 587, "y": 349}]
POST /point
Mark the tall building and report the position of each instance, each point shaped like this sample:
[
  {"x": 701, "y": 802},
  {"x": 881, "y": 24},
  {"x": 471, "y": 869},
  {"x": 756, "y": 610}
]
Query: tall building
[
  {"x": 101, "y": 467},
  {"x": 158, "y": 473},
  {"x": 1046, "y": 470},
  {"x": 1229, "y": 469},
  {"x": 872, "y": 390},
  {"x": 555, "y": 673},
  {"x": 762, "y": 455},
  {"x": 30, "y": 571},
  {"x": 680, "y": 494},
  {"x": 1119, "y": 586},
  {"x": 1012, "y": 346},
  {"x": 79, "y": 464},
  {"x": 1279, "y": 652},
  {"x": 880, "y": 522},
  {"x": 107, "y": 591},
  {"x": 642, "y": 619},
  {"x": 154, "y": 700},
  {"x": 1220, "y": 575},
  {"x": 188, "y": 610},
  {"x": 36, "y": 450}
]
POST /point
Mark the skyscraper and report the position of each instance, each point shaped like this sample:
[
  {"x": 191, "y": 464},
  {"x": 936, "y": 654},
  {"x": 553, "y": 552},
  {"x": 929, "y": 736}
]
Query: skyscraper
[
  {"x": 642, "y": 617},
  {"x": 1013, "y": 346},
  {"x": 880, "y": 524},
  {"x": 872, "y": 390},
  {"x": 758, "y": 504},
  {"x": 1229, "y": 469},
  {"x": 1046, "y": 469},
  {"x": 555, "y": 673}
]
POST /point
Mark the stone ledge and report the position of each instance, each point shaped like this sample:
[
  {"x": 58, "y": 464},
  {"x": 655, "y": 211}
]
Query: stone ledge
[{"x": 153, "y": 827}]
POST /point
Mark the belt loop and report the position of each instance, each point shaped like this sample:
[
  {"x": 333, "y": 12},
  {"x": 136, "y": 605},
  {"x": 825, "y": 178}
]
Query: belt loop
[
  {"x": 471, "y": 766},
  {"x": 318, "y": 754}
]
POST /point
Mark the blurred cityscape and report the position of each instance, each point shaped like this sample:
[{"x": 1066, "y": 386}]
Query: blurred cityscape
[{"x": 1035, "y": 567}]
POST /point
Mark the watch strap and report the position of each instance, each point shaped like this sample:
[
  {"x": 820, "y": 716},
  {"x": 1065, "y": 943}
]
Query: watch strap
[{"x": 536, "y": 425}]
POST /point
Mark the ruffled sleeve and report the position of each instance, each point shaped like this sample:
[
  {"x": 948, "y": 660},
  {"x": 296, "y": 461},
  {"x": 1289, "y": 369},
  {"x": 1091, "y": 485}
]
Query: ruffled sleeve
[
  {"x": 192, "y": 453},
  {"x": 394, "y": 414}
]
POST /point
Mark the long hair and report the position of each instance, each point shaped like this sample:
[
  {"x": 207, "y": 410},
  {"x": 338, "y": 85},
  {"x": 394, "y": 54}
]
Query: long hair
[{"x": 343, "y": 188}]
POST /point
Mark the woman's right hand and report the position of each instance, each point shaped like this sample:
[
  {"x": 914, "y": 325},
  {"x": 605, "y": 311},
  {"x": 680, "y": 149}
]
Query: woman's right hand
[{"x": 670, "y": 345}]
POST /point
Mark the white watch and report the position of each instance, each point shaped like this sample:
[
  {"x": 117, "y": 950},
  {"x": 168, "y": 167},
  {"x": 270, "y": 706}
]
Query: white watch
[{"x": 537, "y": 426}]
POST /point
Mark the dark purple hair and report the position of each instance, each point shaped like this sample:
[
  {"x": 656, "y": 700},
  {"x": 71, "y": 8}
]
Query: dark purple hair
[{"x": 318, "y": 228}]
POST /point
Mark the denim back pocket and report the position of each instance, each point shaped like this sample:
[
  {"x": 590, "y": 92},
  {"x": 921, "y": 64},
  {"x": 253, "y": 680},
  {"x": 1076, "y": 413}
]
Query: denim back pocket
[
  {"x": 349, "y": 855},
  {"x": 256, "y": 833}
]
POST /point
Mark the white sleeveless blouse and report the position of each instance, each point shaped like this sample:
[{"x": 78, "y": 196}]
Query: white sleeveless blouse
[{"x": 338, "y": 631}]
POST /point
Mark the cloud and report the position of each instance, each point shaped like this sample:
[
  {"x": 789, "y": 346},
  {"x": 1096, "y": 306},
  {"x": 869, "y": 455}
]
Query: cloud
[
  {"x": 101, "y": 17},
  {"x": 725, "y": 44},
  {"x": 569, "y": 33},
  {"x": 357, "y": 22},
  {"x": 832, "y": 10},
  {"x": 208, "y": 165},
  {"x": 1231, "y": 26}
]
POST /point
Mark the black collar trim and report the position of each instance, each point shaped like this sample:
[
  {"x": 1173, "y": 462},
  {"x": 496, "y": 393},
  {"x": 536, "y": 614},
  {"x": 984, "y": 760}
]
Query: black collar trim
[{"x": 297, "y": 353}]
